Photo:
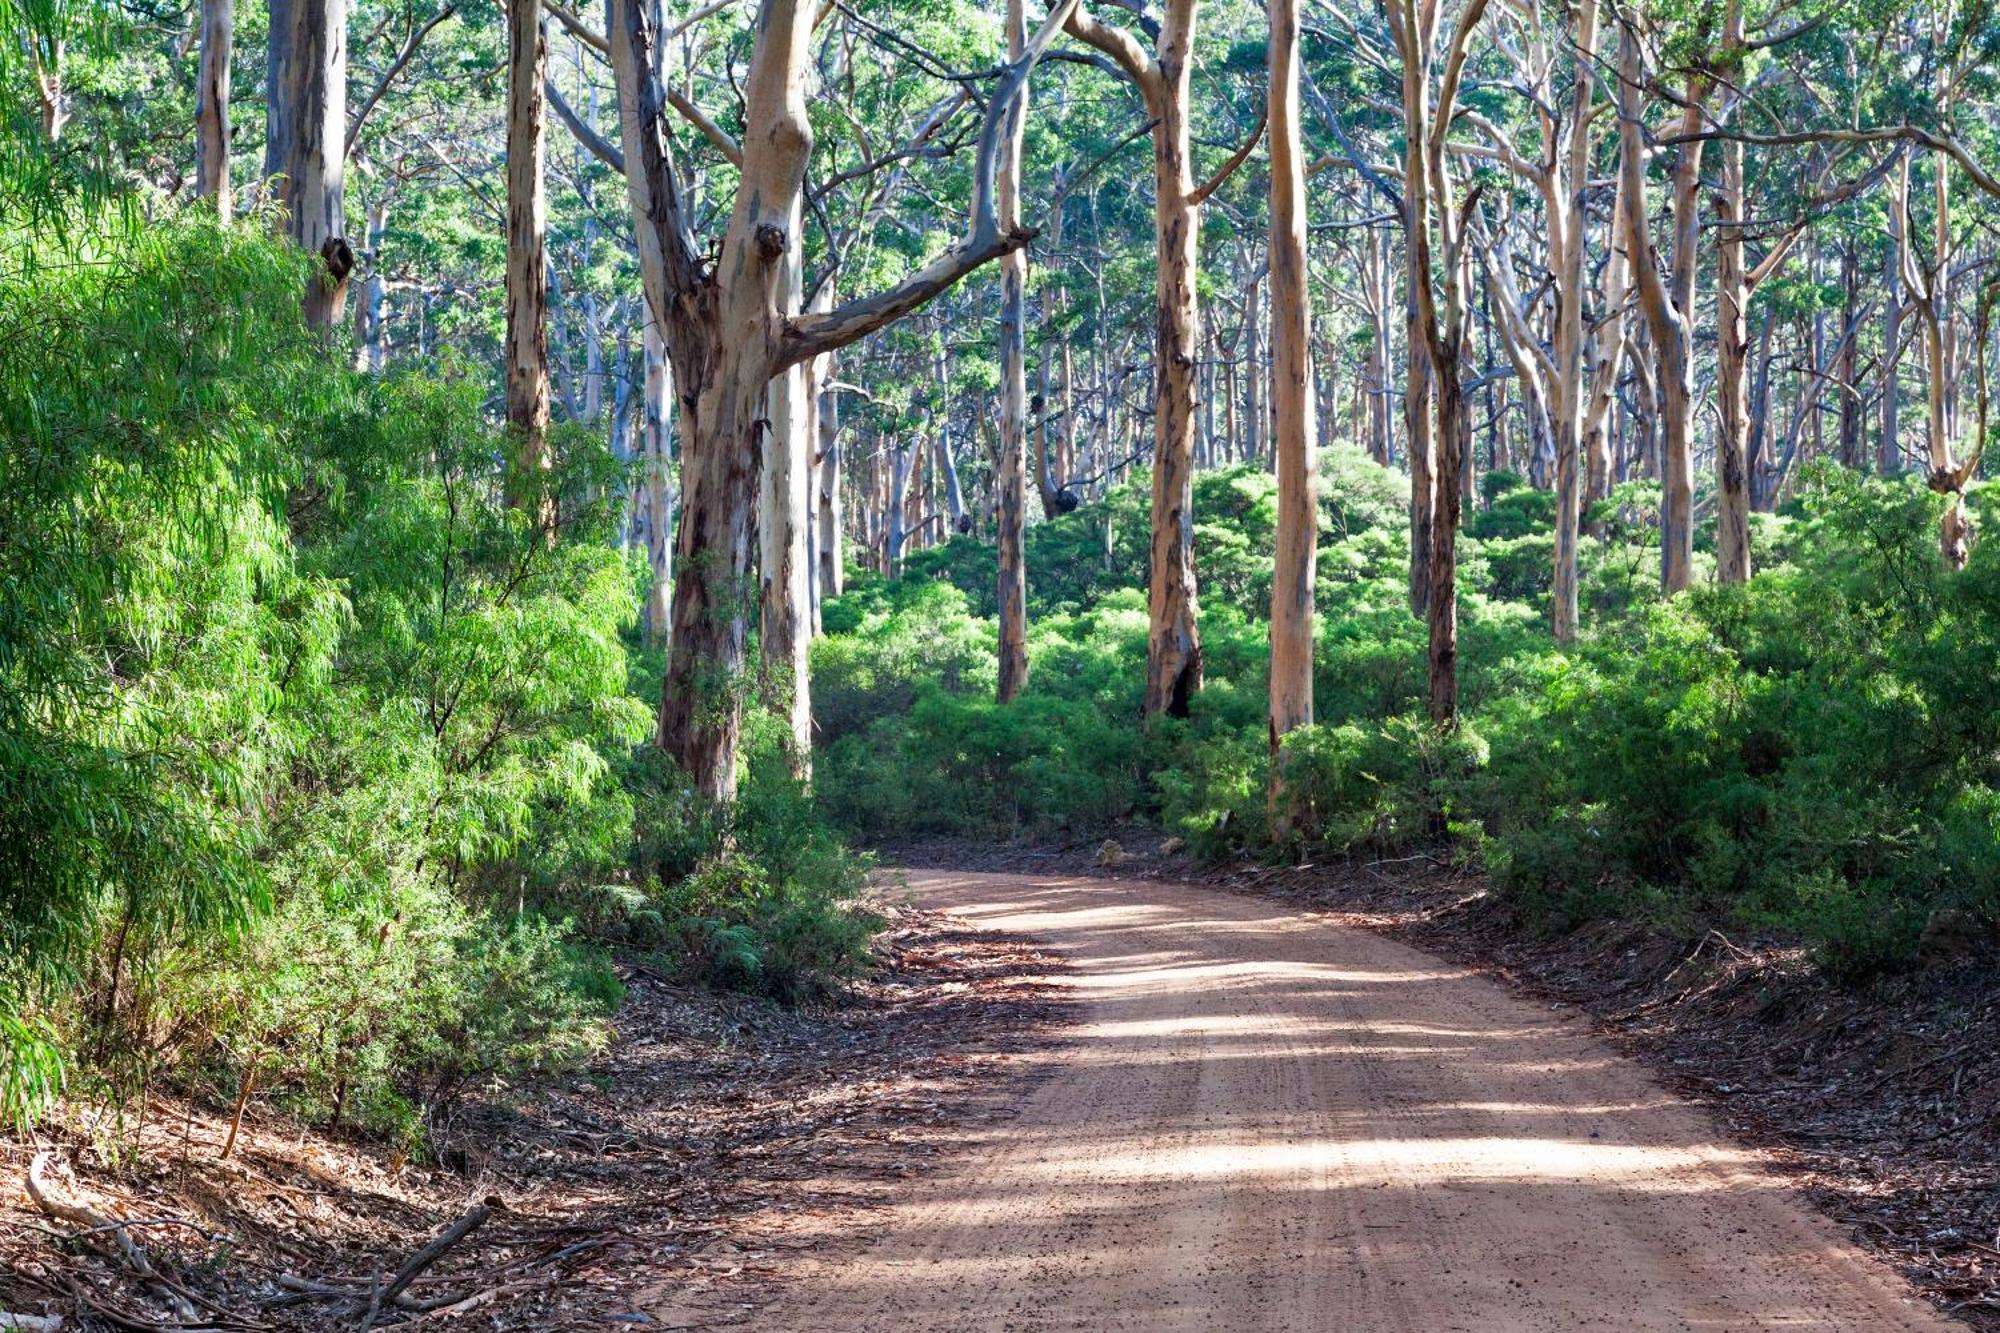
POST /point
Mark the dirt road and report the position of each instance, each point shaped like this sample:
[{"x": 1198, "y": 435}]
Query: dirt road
[{"x": 1270, "y": 1122}]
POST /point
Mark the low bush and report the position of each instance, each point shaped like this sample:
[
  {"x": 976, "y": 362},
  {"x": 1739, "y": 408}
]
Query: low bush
[{"x": 1817, "y": 752}]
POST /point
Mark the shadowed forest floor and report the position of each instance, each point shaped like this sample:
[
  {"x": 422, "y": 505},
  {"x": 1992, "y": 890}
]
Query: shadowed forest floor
[
  {"x": 645, "y": 1192},
  {"x": 1193, "y": 1107}
]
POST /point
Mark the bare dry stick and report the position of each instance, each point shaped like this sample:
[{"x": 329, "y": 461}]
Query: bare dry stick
[
  {"x": 473, "y": 1219},
  {"x": 96, "y": 1224}
]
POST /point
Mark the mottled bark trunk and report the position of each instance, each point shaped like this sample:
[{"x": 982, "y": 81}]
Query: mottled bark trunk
[
  {"x": 656, "y": 401},
  {"x": 211, "y": 115},
  {"x": 1293, "y": 415},
  {"x": 1605, "y": 367},
  {"x": 371, "y": 342},
  {"x": 1441, "y": 603},
  {"x": 895, "y": 529},
  {"x": 1668, "y": 307},
  {"x": 1010, "y": 469},
  {"x": 527, "y": 366},
  {"x": 1888, "y": 442},
  {"x": 1418, "y": 445},
  {"x": 1847, "y": 364},
  {"x": 1173, "y": 650},
  {"x": 827, "y": 530},
  {"x": 1732, "y": 399},
  {"x": 784, "y": 613},
  {"x": 1568, "y": 226},
  {"x": 305, "y": 141}
]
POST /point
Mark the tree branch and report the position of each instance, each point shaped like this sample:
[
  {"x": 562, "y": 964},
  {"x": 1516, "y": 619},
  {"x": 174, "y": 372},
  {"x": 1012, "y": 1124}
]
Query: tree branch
[
  {"x": 598, "y": 147},
  {"x": 809, "y": 335},
  {"x": 1236, "y": 160},
  {"x": 1122, "y": 47},
  {"x": 410, "y": 45}
]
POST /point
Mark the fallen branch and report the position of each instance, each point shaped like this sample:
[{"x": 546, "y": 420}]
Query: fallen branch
[
  {"x": 95, "y": 1224},
  {"x": 473, "y": 1219}
]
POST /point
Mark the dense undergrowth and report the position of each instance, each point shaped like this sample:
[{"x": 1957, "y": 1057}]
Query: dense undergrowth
[
  {"x": 321, "y": 775},
  {"x": 1817, "y": 753}
]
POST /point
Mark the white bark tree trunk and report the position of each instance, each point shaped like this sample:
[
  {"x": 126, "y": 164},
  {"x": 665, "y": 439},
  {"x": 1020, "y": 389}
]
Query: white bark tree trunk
[
  {"x": 1010, "y": 470},
  {"x": 211, "y": 117},
  {"x": 305, "y": 141},
  {"x": 1294, "y": 419}
]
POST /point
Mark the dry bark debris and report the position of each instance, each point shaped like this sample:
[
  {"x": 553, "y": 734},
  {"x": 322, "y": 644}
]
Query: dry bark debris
[
  {"x": 1883, "y": 1101},
  {"x": 647, "y": 1191}
]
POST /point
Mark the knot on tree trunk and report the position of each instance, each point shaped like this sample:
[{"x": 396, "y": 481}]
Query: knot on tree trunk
[
  {"x": 770, "y": 238},
  {"x": 339, "y": 257},
  {"x": 1944, "y": 480}
]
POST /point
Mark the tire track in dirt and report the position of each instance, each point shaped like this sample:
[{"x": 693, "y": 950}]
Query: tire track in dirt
[{"x": 1267, "y": 1122}]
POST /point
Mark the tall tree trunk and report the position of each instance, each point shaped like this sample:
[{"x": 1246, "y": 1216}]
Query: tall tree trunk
[
  {"x": 1846, "y": 364},
  {"x": 1420, "y": 449},
  {"x": 832, "y": 575},
  {"x": 899, "y": 508},
  {"x": 1889, "y": 443},
  {"x": 1010, "y": 471},
  {"x": 1294, "y": 418},
  {"x": 1256, "y": 407},
  {"x": 1606, "y": 364},
  {"x": 1173, "y": 647},
  {"x": 728, "y": 332},
  {"x": 1568, "y": 228},
  {"x": 1668, "y": 305},
  {"x": 656, "y": 401},
  {"x": 211, "y": 116},
  {"x": 1732, "y": 300},
  {"x": 305, "y": 141},
  {"x": 784, "y": 613},
  {"x": 47, "y": 57},
  {"x": 371, "y": 343},
  {"x": 527, "y": 228}
]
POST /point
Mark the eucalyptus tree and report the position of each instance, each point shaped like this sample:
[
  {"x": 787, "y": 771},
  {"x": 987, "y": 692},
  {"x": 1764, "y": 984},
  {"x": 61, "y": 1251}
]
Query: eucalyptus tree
[
  {"x": 1162, "y": 77},
  {"x": 1439, "y": 260},
  {"x": 527, "y": 360},
  {"x": 211, "y": 152},
  {"x": 1292, "y": 402},
  {"x": 728, "y": 332},
  {"x": 305, "y": 141}
]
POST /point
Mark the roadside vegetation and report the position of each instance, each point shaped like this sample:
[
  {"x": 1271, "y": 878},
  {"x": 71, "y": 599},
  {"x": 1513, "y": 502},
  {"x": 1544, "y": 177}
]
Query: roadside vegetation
[{"x": 1815, "y": 753}]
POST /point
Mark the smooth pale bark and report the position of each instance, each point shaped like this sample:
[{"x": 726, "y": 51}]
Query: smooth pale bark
[
  {"x": 1606, "y": 361},
  {"x": 897, "y": 528},
  {"x": 211, "y": 115},
  {"x": 371, "y": 342},
  {"x": 1173, "y": 640},
  {"x": 1010, "y": 468},
  {"x": 827, "y": 529},
  {"x": 305, "y": 138},
  {"x": 1054, "y": 303},
  {"x": 655, "y": 407},
  {"x": 527, "y": 227},
  {"x": 47, "y": 57},
  {"x": 1927, "y": 279},
  {"x": 1668, "y": 303},
  {"x": 1568, "y": 225},
  {"x": 1293, "y": 418},
  {"x": 1889, "y": 441},
  {"x": 1256, "y": 410},
  {"x": 784, "y": 613}
]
